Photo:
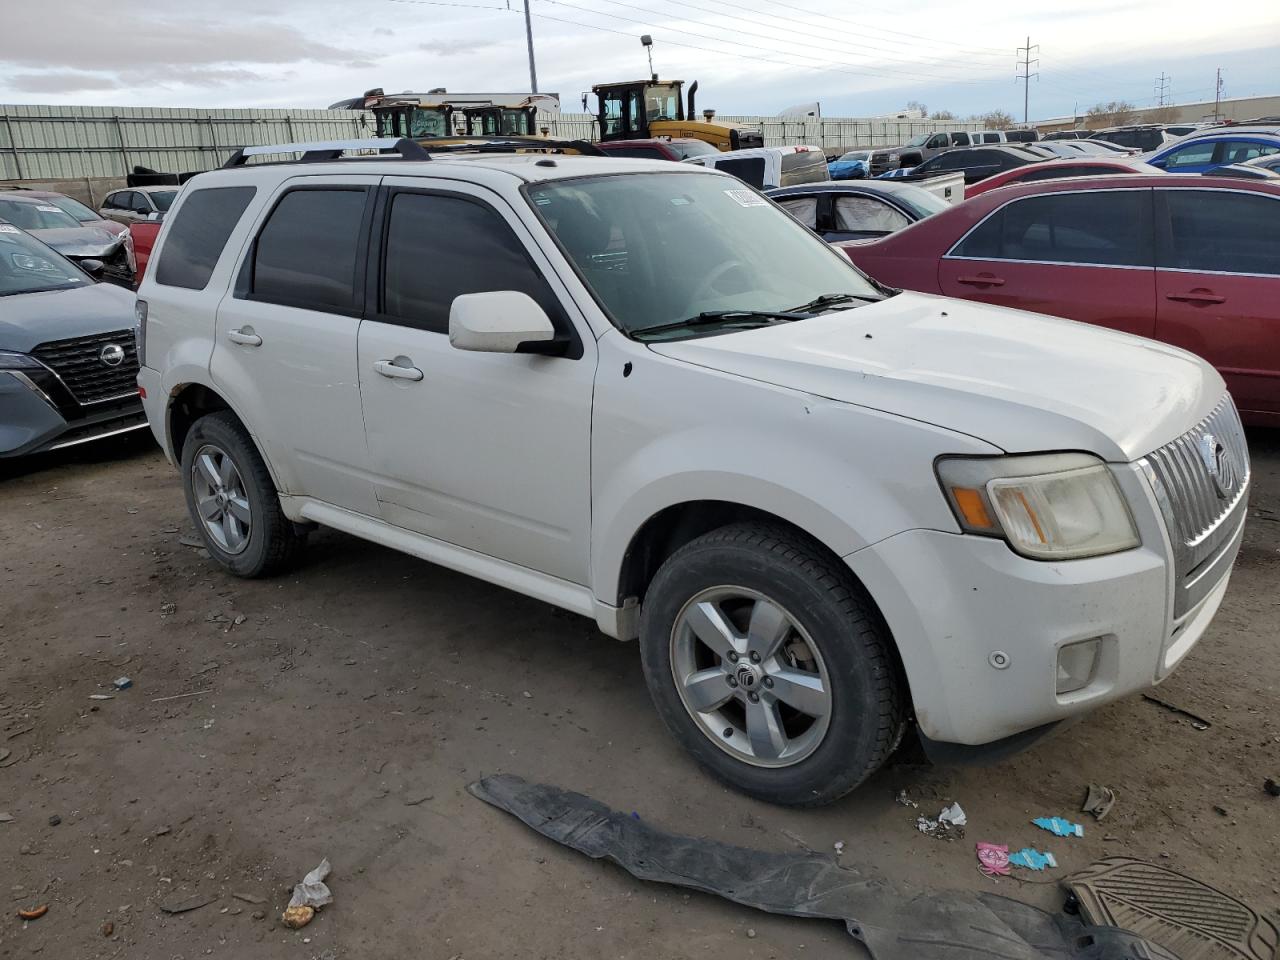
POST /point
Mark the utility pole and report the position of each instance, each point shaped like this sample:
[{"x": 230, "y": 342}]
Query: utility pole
[
  {"x": 1162, "y": 89},
  {"x": 1217, "y": 95},
  {"x": 528, "y": 34},
  {"x": 1025, "y": 76}
]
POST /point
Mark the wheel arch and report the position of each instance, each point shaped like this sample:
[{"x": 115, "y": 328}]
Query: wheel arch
[{"x": 187, "y": 403}]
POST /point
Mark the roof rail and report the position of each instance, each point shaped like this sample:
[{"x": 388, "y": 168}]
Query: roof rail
[
  {"x": 321, "y": 150},
  {"x": 508, "y": 144}
]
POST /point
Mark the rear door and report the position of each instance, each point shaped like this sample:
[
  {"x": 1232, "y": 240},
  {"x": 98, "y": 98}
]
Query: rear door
[
  {"x": 1218, "y": 286},
  {"x": 285, "y": 344},
  {"x": 487, "y": 451},
  {"x": 1085, "y": 256}
]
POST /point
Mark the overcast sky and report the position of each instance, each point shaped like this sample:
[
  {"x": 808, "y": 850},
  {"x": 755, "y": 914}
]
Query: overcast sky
[{"x": 750, "y": 56}]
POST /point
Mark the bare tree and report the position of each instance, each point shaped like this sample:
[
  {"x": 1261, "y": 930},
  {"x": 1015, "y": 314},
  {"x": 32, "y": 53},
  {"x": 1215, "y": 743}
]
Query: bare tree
[
  {"x": 997, "y": 120},
  {"x": 917, "y": 105},
  {"x": 1115, "y": 113},
  {"x": 944, "y": 115}
]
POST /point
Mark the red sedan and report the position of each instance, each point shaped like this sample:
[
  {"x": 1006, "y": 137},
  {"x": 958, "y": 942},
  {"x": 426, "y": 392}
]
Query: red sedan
[
  {"x": 1190, "y": 260},
  {"x": 1058, "y": 169}
]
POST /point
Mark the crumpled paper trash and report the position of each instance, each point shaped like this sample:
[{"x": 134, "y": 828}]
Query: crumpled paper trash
[{"x": 308, "y": 896}]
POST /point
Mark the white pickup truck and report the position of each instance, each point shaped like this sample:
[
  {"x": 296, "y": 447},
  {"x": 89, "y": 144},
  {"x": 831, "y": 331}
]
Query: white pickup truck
[{"x": 641, "y": 392}]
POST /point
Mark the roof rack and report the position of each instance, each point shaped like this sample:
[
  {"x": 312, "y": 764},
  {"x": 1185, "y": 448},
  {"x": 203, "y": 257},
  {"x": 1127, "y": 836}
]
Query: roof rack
[
  {"x": 508, "y": 144},
  {"x": 321, "y": 150}
]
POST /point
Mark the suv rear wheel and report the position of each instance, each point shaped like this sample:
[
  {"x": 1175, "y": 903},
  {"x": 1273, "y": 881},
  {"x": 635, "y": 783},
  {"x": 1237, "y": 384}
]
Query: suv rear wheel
[
  {"x": 233, "y": 502},
  {"x": 771, "y": 665}
]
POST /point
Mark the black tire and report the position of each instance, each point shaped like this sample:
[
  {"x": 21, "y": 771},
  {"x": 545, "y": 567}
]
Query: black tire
[
  {"x": 868, "y": 701},
  {"x": 274, "y": 542}
]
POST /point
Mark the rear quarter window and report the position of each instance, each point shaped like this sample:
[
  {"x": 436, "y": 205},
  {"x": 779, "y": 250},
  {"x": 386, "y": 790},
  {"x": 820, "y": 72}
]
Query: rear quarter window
[{"x": 196, "y": 234}]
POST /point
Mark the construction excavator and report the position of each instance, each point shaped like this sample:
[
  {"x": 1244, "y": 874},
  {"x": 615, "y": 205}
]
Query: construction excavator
[{"x": 640, "y": 109}]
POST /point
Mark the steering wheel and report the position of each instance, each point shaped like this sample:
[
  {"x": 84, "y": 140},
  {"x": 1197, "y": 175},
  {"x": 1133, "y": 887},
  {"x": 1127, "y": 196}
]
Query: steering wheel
[{"x": 709, "y": 283}]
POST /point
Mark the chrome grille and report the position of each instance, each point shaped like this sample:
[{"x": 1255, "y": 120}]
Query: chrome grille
[
  {"x": 1201, "y": 508},
  {"x": 881, "y": 162},
  {"x": 78, "y": 364}
]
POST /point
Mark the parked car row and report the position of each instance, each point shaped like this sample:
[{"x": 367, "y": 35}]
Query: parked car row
[
  {"x": 1190, "y": 260},
  {"x": 101, "y": 247},
  {"x": 688, "y": 383}
]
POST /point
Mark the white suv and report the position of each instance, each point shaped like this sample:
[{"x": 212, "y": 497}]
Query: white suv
[{"x": 642, "y": 392}]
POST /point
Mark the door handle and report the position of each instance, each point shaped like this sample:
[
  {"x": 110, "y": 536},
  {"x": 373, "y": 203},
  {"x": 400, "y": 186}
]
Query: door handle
[
  {"x": 389, "y": 368},
  {"x": 244, "y": 337},
  {"x": 1199, "y": 295},
  {"x": 981, "y": 281}
]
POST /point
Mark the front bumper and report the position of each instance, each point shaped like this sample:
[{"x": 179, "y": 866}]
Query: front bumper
[
  {"x": 979, "y": 627},
  {"x": 31, "y": 422}
]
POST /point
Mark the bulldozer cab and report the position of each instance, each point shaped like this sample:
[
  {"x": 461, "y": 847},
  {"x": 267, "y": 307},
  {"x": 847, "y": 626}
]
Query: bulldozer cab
[
  {"x": 626, "y": 110},
  {"x": 413, "y": 120},
  {"x": 495, "y": 121}
]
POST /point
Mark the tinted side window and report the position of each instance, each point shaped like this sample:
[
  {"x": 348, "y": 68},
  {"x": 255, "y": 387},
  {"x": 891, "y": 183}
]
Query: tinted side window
[
  {"x": 305, "y": 255},
  {"x": 196, "y": 234},
  {"x": 438, "y": 248},
  {"x": 747, "y": 169},
  {"x": 1103, "y": 227},
  {"x": 1221, "y": 231},
  {"x": 1190, "y": 155}
]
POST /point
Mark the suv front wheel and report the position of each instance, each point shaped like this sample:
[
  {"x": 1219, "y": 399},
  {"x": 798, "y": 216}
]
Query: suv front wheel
[
  {"x": 771, "y": 665},
  {"x": 232, "y": 501}
]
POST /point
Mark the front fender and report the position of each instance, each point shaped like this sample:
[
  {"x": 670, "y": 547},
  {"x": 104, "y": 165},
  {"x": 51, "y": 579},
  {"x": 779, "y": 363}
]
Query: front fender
[{"x": 848, "y": 476}]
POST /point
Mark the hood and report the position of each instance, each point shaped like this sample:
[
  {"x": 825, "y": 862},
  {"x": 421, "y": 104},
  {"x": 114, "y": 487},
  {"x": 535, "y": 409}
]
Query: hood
[
  {"x": 1020, "y": 381},
  {"x": 89, "y": 241},
  {"x": 30, "y": 319}
]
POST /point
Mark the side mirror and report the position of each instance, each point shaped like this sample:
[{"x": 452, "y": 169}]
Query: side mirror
[
  {"x": 499, "y": 321},
  {"x": 93, "y": 268}
]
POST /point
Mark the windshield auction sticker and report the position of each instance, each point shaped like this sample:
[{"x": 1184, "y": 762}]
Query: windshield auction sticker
[{"x": 747, "y": 198}]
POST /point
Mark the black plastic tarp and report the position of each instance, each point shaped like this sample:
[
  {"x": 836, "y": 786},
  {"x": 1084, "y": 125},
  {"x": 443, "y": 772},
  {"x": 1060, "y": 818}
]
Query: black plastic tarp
[{"x": 893, "y": 922}]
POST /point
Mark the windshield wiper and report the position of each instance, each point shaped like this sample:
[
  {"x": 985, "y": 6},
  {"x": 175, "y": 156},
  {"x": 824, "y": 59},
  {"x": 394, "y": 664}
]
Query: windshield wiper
[
  {"x": 711, "y": 317},
  {"x": 832, "y": 300}
]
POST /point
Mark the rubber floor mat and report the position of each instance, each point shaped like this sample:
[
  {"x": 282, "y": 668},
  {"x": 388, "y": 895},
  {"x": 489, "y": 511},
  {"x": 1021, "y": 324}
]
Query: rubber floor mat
[
  {"x": 894, "y": 922},
  {"x": 1189, "y": 918}
]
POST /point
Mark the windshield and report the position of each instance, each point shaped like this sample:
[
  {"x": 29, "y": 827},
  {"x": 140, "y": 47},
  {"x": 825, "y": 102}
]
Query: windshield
[
  {"x": 661, "y": 248},
  {"x": 691, "y": 148},
  {"x": 28, "y": 266},
  {"x": 163, "y": 199},
  {"x": 75, "y": 208},
  {"x": 856, "y": 155},
  {"x": 661, "y": 101},
  {"x": 919, "y": 141},
  {"x": 920, "y": 201},
  {"x": 35, "y": 216}
]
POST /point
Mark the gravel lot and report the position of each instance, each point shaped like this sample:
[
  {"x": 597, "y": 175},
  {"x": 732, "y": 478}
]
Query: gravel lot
[{"x": 340, "y": 712}]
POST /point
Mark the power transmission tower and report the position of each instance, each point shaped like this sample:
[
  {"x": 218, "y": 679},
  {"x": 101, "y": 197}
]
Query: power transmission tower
[
  {"x": 1024, "y": 64},
  {"x": 1162, "y": 89},
  {"x": 1217, "y": 95},
  {"x": 528, "y": 35}
]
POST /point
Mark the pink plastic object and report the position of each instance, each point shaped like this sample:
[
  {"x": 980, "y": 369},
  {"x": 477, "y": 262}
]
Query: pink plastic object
[{"x": 993, "y": 858}]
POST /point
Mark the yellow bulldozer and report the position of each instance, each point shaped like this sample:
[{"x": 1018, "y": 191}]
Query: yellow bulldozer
[{"x": 640, "y": 109}]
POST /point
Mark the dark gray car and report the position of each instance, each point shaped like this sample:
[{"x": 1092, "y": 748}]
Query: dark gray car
[
  {"x": 68, "y": 360},
  {"x": 71, "y": 238}
]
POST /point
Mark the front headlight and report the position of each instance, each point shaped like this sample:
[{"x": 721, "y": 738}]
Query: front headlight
[
  {"x": 1056, "y": 506},
  {"x": 10, "y": 360}
]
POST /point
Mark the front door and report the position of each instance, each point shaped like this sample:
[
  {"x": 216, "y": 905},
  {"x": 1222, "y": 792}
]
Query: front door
[
  {"x": 285, "y": 344},
  {"x": 1217, "y": 275},
  {"x": 1085, "y": 256},
  {"x": 486, "y": 451}
]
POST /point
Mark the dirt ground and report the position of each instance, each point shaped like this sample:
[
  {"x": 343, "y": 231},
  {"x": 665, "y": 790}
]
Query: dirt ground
[{"x": 340, "y": 712}]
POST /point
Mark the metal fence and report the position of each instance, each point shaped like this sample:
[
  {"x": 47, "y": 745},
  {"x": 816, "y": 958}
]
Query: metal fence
[
  {"x": 55, "y": 143},
  {"x": 60, "y": 143}
]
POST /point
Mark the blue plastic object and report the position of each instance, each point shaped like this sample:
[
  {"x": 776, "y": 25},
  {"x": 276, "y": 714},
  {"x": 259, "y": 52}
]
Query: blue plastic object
[
  {"x": 1059, "y": 827},
  {"x": 1032, "y": 859}
]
